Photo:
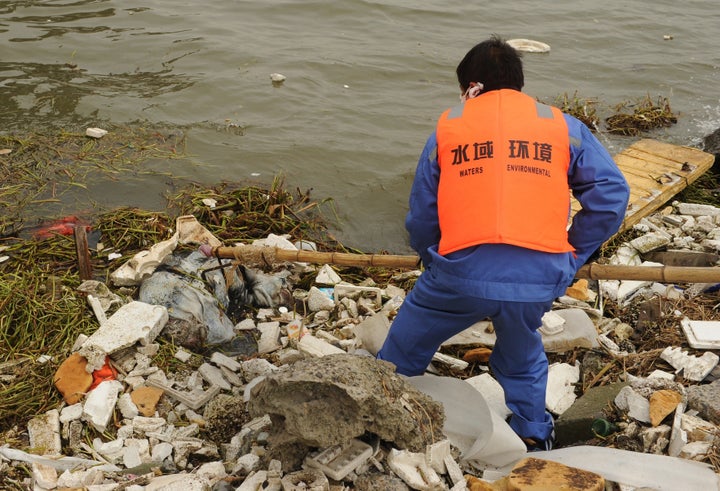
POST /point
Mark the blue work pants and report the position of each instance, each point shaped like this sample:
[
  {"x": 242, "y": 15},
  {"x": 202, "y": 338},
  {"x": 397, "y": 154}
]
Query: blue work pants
[{"x": 432, "y": 313}]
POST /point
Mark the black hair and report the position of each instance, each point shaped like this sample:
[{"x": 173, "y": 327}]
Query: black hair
[{"x": 494, "y": 63}]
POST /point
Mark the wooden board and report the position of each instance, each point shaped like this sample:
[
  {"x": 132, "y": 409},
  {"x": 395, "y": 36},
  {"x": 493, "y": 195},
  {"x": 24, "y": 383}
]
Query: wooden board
[{"x": 656, "y": 172}]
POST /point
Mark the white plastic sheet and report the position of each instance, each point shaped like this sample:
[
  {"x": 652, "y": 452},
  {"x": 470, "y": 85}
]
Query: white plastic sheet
[{"x": 481, "y": 435}]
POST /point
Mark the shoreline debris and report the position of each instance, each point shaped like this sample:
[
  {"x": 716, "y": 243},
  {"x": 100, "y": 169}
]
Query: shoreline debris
[{"x": 294, "y": 397}]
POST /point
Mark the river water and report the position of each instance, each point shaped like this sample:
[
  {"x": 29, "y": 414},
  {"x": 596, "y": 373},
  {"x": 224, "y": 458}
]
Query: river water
[{"x": 365, "y": 82}]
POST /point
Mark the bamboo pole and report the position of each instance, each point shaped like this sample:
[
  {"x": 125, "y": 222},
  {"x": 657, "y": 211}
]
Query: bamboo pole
[
  {"x": 661, "y": 274},
  {"x": 270, "y": 255}
]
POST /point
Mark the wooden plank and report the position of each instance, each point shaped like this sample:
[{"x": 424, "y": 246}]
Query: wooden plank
[
  {"x": 656, "y": 171},
  {"x": 81, "y": 247}
]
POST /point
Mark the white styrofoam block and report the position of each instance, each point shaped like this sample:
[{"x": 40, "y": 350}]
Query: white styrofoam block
[
  {"x": 313, "y": 346},
  {"x": 338, "y": 461},
  {"x": 100, "y": 404},
  {"x": 327, "y": 276},
  {"x": 702, "y": 334},
  {"x": 560, "y": 394},
  {"x": 694, "y": 209},
  {"x": 694, "y": 367},
  {"x": 133, "y": 322}
]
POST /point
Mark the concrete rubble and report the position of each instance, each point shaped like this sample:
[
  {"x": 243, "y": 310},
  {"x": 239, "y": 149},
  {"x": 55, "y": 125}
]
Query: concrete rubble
[{"x": 296, "y": 400}]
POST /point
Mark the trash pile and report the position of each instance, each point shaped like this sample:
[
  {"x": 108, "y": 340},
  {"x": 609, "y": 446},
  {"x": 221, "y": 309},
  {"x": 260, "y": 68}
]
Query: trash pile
[{"x": 275, "y": 384}]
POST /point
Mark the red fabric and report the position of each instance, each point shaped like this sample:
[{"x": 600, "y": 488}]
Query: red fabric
[{"x": 107, "y": 372}]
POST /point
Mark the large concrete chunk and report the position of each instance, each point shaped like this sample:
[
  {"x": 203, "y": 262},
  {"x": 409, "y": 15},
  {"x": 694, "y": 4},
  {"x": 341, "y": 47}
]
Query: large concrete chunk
[{"x": 329, "y": 400}]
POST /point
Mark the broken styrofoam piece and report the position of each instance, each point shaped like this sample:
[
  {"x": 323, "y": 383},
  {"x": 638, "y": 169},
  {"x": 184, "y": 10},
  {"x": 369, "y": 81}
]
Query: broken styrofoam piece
[
  {"x": 611, "y": 345},
  {"x": 552, "y": 323},
  {"x": 693, "y": 367},
  {"x": 481, "y": 332},
  {"x": 44, "y": 433},
  {"x": 127, "y": 407},
  {"x": 78, "y": 479},
  {"x": 372, "y": 332},
  {"x": 697, "y": 210},
  {"x": 578, "y": 332},
  {"x": 327, "y": 276},
  {"x": 97, "y": 309},
  {"x": 183, "y": 355},
  {"x": 143, "y": 264},
  {"x": 695, "y": 450},
  {"x": 61, "y": 463},
  {"x": 70, "y": 413},
  {"x": 678, "y": 436},
  {"x": 191, "y": 400},
  {"x": 622, "y": 291},
  {"x": 436, "y": 453},
  {"x": 661, "y": 374},
  {"x": 44, "y": 477},
  {"x": 222, "y": 360},
  {"x": 214, "y": 376},
  {"x": 451, "y": 361},
  {"x": 310, "y": 345},
  {"x": 338, "y": 461},
  {"x": 318, "y": 300},
  {"x": 560, "y": 394},
  {"x": 345, "y": 289},
  {"x": 482, "y": 436},
  {"x": 412, "y": 468},
  {"x": 189, "y": 231},
  {"x": 651, "y": 241},
  {"x": 279, "y": 241},
  {"x": 100, "y": 404},
  {"x": 133, "y": 322},
  {"x": 269, "y": 337},
  {"x": 637, "y": 407},
  {"x": 306, "y": 479},
  {"x": 455, "y": 473},
  {"x": 95, "y": 132},
  {"x": 702, "y": 334},
  {"x": 186, "y": 482}
]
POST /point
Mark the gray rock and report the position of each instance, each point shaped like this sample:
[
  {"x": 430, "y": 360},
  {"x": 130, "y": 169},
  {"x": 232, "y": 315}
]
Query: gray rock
[
  {"x": 705, "y": 399},
  {"x": 711, "y": 143},
  {"x": 575, "y": 424}
]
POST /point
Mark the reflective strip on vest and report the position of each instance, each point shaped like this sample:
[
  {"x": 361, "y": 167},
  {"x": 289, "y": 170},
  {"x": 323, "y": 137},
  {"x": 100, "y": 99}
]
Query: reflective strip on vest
[{"x": 503, "y": 160}]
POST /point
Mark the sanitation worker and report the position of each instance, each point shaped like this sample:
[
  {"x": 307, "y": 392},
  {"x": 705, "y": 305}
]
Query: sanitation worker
[{"x": 489, "y": 216}]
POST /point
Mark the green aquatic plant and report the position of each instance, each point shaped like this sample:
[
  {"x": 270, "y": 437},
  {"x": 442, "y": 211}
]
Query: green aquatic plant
[{"x": 646, "y": 115}]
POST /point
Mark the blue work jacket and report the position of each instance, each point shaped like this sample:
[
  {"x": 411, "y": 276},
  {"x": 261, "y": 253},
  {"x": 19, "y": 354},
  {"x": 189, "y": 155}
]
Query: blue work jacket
[{"x": 510, "y": 273}]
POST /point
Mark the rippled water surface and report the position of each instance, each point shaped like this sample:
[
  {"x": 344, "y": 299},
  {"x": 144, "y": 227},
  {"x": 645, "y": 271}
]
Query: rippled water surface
[{"x": 365, "y": 82}]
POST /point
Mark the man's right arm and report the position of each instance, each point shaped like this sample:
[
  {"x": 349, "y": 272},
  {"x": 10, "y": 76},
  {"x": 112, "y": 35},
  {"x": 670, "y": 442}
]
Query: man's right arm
[{"x": 601, "y": 189}]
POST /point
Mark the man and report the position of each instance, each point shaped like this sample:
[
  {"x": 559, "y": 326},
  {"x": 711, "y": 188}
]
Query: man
[{"x": 489, "y": 211}]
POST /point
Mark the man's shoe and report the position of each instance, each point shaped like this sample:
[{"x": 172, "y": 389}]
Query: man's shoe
[{"x": 539, "y": 446}]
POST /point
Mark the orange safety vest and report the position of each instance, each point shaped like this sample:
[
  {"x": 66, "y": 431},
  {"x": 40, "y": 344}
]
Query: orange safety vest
[{"x": 503, "y": 159}]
